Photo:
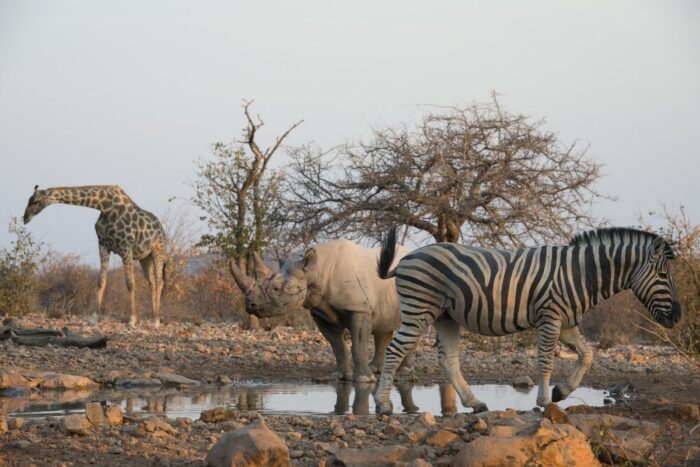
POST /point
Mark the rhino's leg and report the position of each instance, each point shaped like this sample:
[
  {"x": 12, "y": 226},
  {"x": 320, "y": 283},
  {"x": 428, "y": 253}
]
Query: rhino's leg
[
  {"x": 380, "y": 343},
  {"x": 342, "y": 398},
  {"x": 334, "y": 336},
  {"x": 360, "y": 331},
  {"x": 448, "y": 355}
]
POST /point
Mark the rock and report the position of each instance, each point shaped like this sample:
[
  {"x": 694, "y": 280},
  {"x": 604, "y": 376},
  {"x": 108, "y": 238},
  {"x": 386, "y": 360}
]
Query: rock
[
  {"x": 338, "y": 431},
  {"x": 15, "y": 423},
  {"x": 617, "y": 439},
  {"x": 254, "y": 445},
  {"x": 3, "y": 425},
  {"x": 682, "y": 411},
  {"x": 218, "y": 414},
  {"x": 138, "y": 383},
  {"x": 21, "y": 444},
  {"x": 479, "y": 426},
  {"x": 503, "y": 431},
  {"x": 523, "y": 382},
  {"x": 61, "y": 381},
  {"x": 109, "y": 377},
  {"x": 621, "y": 388},
  {"x": 114, "y": 415},
  {"x": 295, "y": 435},
  {"x": 417, "y": 436},
  {"x": 555, "y": 413},
  {"x": 223, "y": 379},
  {"x": 541, "y": 443},
  {"x": 419, "y": 463},
  {"x": 380, "y": 456},
  {"x": 12, "y": 379},
  {"x": 173, "y": 380},
  {"x": 154, "y": 424},
  {"x": 77, "y": 424},
  {"x": 94, "y": 413},
  {"x": 426, "y": 419},
  {"x": 441, "y": 438}
]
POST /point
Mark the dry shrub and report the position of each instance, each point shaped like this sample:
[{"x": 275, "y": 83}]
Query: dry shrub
[{"x": 66, "y": 287}]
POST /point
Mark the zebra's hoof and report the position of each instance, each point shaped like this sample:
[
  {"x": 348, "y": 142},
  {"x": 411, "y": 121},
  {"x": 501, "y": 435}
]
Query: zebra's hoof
[
  {"x": 384, "y": 409},
  {"x": 557, "y": 394},
  {"x": 480, "y": 407}
]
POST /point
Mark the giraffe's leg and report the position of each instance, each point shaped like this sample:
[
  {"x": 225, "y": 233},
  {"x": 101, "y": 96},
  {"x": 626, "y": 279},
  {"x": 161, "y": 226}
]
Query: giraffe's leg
[
  {"x": 413, "y": 323},
  {"x": 573, "y": 338},
  {"x": 130, "y": 285},
  {"x": 158, "y": 264},
  {"x": 147, "y": 264},
  {"x": 104, "y": 267},
  {"x": 448, "y": 355},
  {"x": 547, "y": 335}
]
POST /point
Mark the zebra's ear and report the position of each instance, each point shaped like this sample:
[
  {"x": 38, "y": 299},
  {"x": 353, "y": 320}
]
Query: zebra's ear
[{"x": 658, "y": 247}]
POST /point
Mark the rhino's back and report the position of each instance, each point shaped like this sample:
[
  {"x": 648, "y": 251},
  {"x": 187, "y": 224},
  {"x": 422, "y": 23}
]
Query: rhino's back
[{"x": 352, "y": 282}]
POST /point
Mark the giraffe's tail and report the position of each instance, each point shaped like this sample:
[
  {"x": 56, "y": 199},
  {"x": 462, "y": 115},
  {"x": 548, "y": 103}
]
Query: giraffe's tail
[{"x": 165, "y": 278}]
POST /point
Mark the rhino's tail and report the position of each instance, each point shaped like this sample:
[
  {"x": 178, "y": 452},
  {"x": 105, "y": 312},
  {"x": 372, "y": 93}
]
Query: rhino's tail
[{"x": 386, "y": 257}]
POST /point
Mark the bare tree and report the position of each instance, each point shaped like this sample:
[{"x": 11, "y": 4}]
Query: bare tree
[
  {"x": 238, "y": 193},
  {"x": 477, "y": 174}
]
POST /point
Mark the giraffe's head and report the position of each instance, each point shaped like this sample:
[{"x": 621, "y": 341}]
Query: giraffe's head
[{"x": 37, "y": 202}]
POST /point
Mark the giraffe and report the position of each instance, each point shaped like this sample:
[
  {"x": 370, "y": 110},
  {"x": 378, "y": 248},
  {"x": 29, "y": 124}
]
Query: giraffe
[{"x": 123, "y": 228}]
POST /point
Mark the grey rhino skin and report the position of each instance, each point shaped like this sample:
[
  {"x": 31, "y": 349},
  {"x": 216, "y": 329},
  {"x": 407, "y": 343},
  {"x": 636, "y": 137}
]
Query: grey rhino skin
[{"x": 338, "y": 283}]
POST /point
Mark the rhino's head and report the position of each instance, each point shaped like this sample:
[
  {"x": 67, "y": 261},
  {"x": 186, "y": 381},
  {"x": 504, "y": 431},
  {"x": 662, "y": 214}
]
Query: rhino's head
[{"x": 272, "y": 294}]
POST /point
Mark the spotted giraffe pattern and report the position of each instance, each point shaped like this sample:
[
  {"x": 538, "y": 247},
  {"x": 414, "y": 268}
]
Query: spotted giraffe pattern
[{"x": 123, "y": 228}]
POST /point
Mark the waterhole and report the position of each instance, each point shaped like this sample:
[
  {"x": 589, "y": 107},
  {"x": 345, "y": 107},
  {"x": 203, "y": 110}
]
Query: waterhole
[{"x": 281, "y": 399}]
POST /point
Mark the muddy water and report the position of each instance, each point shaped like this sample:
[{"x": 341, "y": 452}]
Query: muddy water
[{"x": 282, "y": 399}]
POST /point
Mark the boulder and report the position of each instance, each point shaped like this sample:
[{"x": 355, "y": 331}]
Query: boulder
[
  {"x": 523, "y": 381},
  {"x": 15, "y": 423},
  {"x": 61, "y": 381},
  {"x": 541, "y": 443},
  {"x": 682, "y": 411},
  {"x": 109, "y": 377},
  {"x": 155, "y": 424},
  {"x": 137, "y": 383},
  {"x": 555, "y": 414},
  {"x": 114, "y": 415},
  {"x": 94, "y": 413},
  {"x": 12, "y": 379},
  {"x": 441, "y": 438},
  {"x": 173, "y": 380},
  {"x": 76, "y": 424},
  {"x": 425, "y": 419},
  {"x": 253, "y": 445},
  {"x": 218, "y": 414},
  {"x": 617, "y": 439},
  {"x": 380, "y": 456}
]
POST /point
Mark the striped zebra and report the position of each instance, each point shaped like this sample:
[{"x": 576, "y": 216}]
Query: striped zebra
[{"x": 496, "y": 292}]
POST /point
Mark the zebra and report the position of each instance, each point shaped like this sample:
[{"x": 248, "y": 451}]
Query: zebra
[{"x": 495, "y": 292}]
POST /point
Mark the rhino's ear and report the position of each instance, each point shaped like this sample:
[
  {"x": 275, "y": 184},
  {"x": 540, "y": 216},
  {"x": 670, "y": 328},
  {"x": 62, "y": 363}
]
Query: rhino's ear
[{"x": 309, "y": 258}]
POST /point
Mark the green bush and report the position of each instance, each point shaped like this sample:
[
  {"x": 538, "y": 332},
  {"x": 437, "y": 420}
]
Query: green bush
[{"x": 18, "y": 265}]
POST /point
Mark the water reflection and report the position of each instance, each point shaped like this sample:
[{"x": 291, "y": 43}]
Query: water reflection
[{"x": 279, "y": 398}]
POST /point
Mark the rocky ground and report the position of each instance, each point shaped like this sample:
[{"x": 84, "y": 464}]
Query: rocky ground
[{"x": 666, "y": 394}]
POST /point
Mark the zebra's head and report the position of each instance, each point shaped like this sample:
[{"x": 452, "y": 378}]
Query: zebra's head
[{"x": 653, "y": 284}]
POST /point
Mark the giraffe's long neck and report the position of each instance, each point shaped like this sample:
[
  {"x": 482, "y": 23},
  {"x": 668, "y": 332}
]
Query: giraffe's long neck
[{"x": 101, "y": 198}]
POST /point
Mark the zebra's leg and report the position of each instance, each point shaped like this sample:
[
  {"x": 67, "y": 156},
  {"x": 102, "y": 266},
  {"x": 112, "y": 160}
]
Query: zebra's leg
[
  {"x": 413, "y": 323},
  {"x": 448, "y": 356},
  {"x": 573, "y": 338},
  {"x": 547, "y": 335}
]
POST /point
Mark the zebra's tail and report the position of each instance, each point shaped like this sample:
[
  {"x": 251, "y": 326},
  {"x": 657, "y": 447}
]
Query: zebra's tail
[{"x": 386, "y": 257}]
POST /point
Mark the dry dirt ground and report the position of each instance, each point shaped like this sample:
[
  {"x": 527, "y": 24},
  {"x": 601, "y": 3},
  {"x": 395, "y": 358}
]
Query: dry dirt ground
[{"x": 661, "y": 378}]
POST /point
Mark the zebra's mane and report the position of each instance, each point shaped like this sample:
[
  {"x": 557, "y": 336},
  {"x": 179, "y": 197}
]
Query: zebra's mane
[{"x": 611, "y": 234}]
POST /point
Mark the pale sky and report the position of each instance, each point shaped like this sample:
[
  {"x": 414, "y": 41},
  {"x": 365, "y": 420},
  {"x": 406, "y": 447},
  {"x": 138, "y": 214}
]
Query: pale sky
[{"x": 132, "y": 92}]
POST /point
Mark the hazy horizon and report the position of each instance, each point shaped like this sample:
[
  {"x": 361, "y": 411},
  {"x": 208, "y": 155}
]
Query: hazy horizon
[{"x": 132, "y": 93}]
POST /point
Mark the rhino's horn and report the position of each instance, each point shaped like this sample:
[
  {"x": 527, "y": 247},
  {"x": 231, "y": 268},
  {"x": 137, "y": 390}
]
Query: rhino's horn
[
  {"x": 244, "y": 282},
  {"x": 261, "y": 269}
]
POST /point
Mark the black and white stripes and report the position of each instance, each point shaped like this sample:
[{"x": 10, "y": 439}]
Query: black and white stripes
[{"x": 496, "y": 292}]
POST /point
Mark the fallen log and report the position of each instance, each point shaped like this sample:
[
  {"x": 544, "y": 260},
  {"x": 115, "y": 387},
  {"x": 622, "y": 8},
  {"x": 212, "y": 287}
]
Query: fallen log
[
  {"x": 5, "y": 332},
  {"x": 98, "y": 342}
]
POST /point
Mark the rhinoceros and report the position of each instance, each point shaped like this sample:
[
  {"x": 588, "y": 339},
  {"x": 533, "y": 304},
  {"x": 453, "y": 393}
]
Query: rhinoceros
[{"x": 337, "y": 282}]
